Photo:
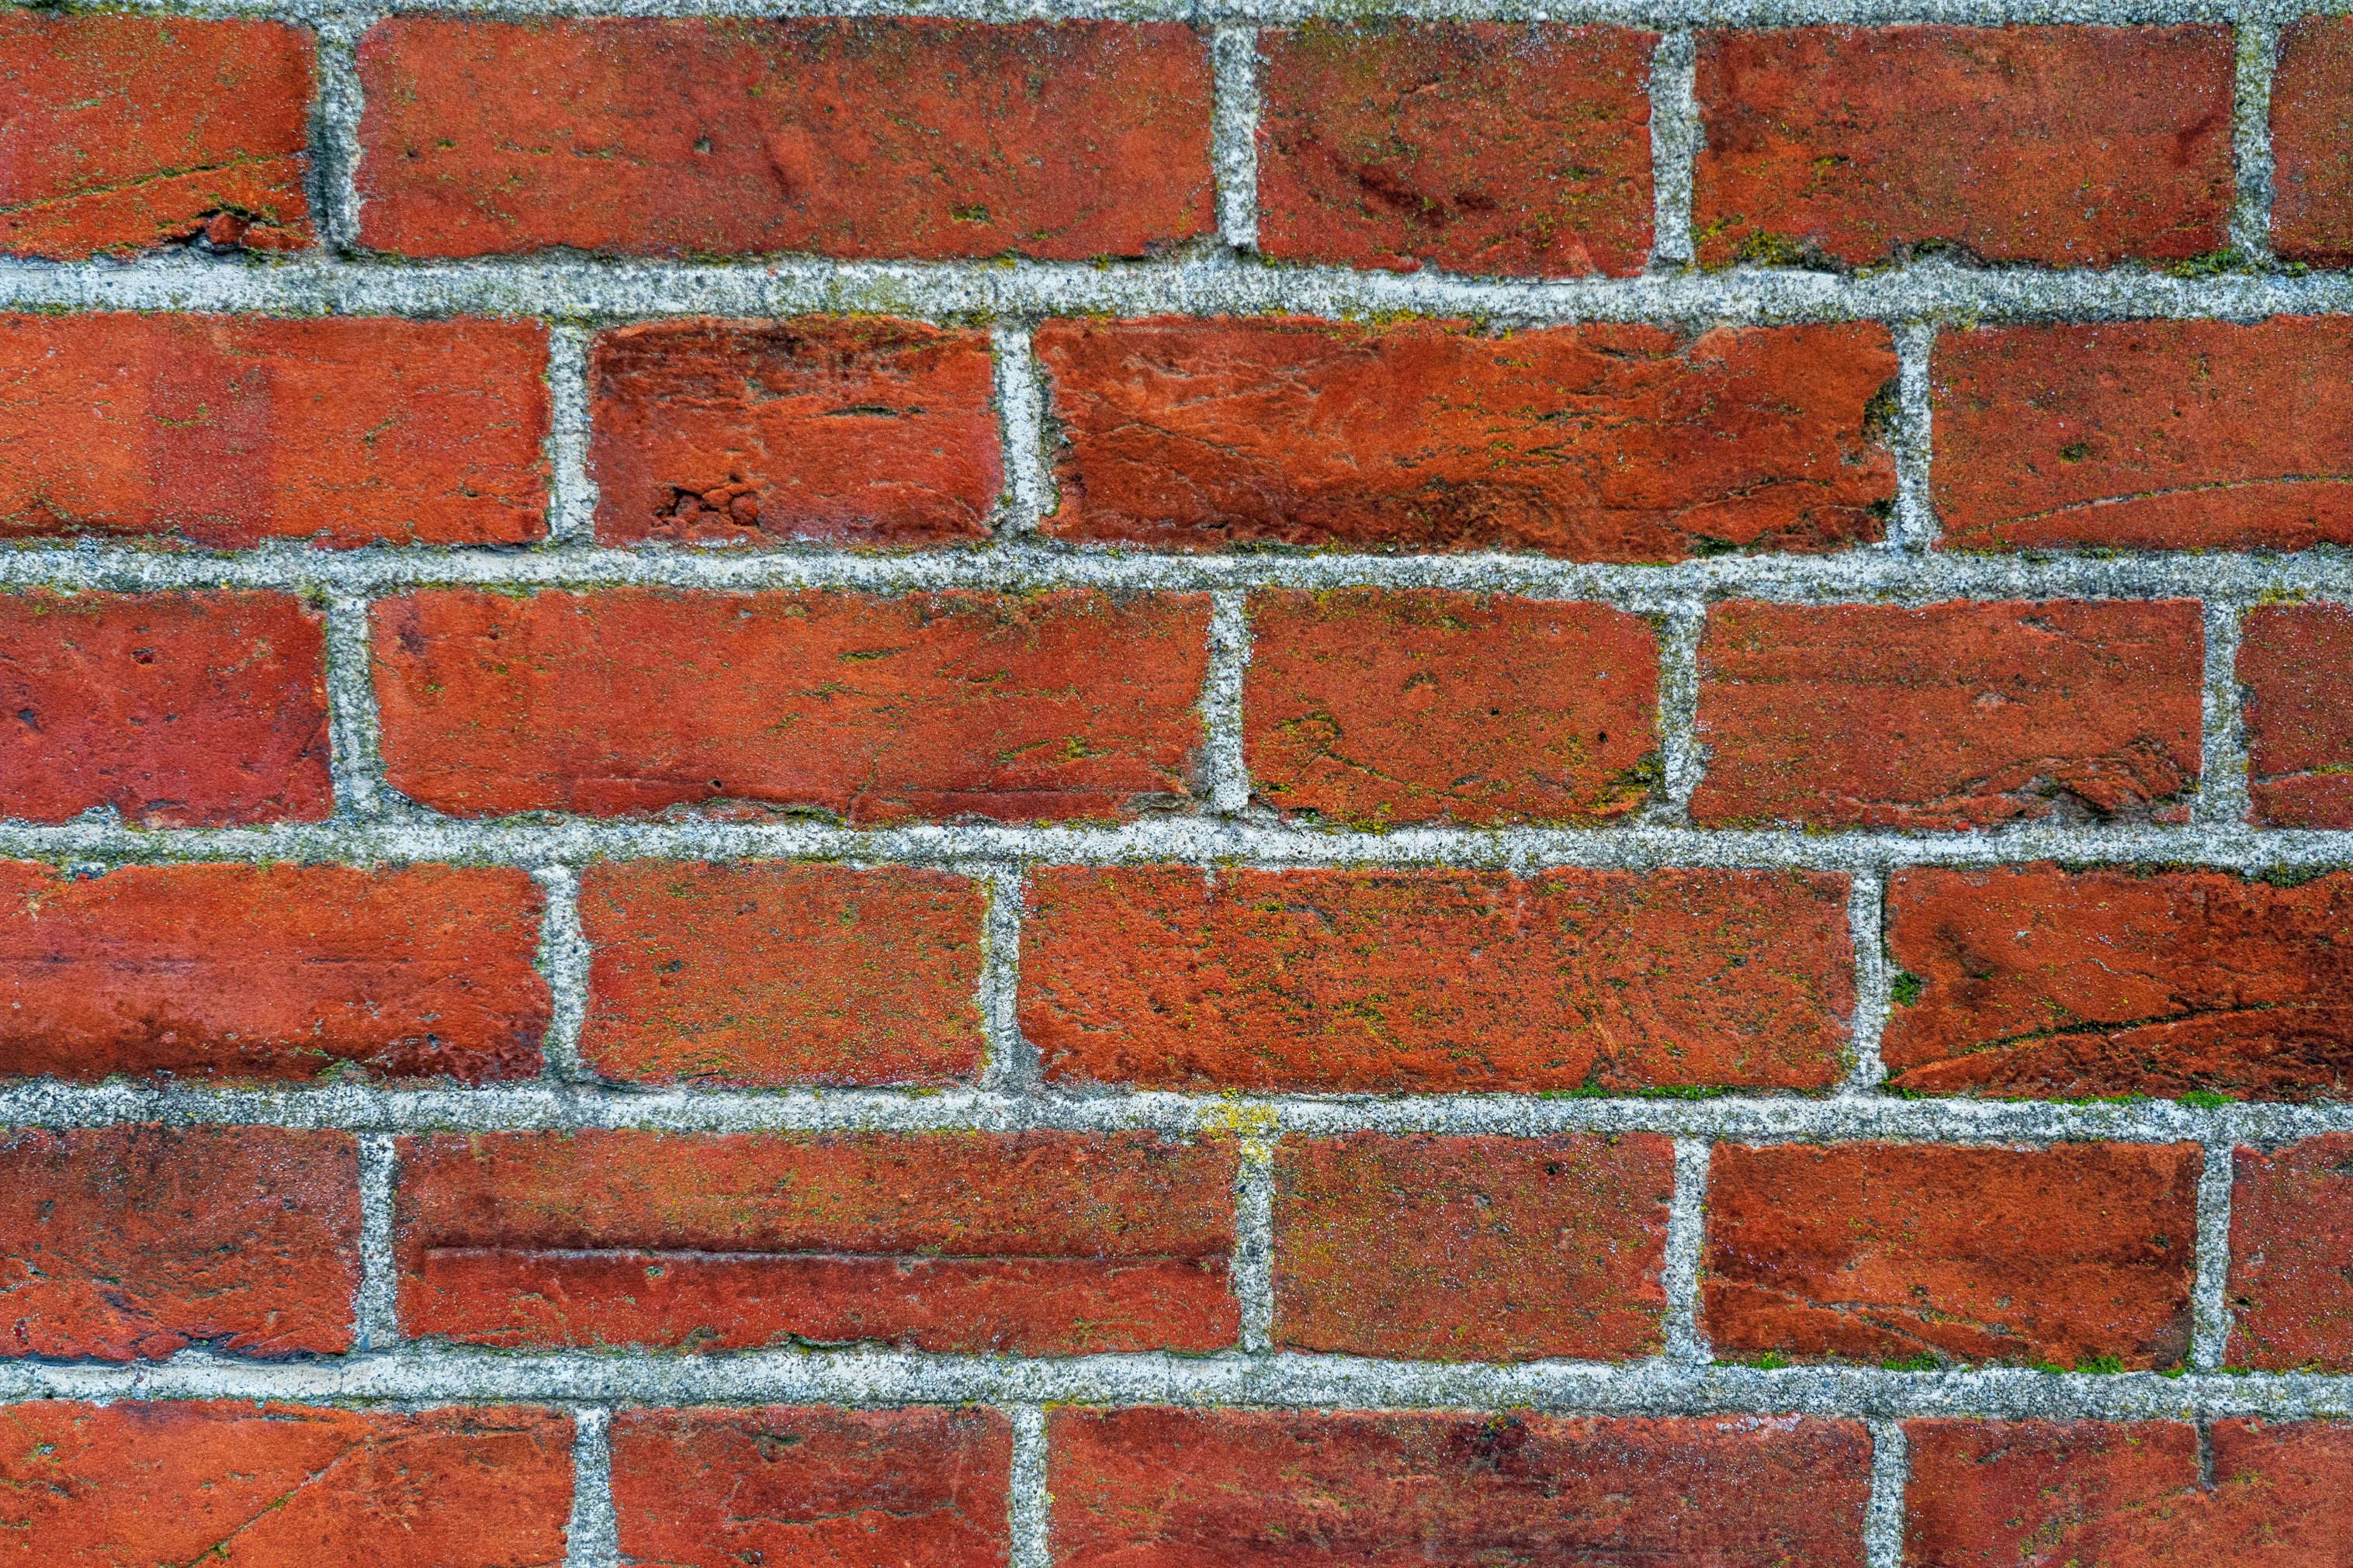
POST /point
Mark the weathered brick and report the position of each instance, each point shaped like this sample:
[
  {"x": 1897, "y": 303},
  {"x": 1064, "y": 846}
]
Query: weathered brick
[
  {"x": 864, "y": 431},
  {"x": 222, "y": 431},
  {"x": 128, "y": 132},
  {"x": 1603, "y": 443},
  {"x": 125, "y": 1243},
  {"x": 175, "y": 709},
  {"x": 1035, "y": 1243},
  {"x": 1171, "y": 1489},
  {"x": 282, "y": 1486},
  {"x": 1054, "y": 706},
  {"x": 278, "y": 972},
  {"x": 774, "y": 975},
  {"x": 1474, "y": 147},
  {"x": 2063, "y": 146},
  {"x": 1456, "y": 1249},
  {"x": 1949, "y": 716},
  {"x": 2291, "y": 1231},
  {"x": 1436, "y": 981},
  {"x": 1868, "y": 1251},
  {"x": 861, "y": 137},
  {"x": 720, "y": 1488},
  {"x": 2299, "y": 714},
  {"x": 1373, "y": 708},
  {"x": 2032, "y": 980},
  {"x": 2311, "y": 142},
  {"x": 2146, "y": 436}
]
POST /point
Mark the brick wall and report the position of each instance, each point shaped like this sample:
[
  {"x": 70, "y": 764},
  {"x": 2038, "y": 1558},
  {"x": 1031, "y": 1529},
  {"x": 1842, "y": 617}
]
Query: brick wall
[{"x": 1200, "y": 787}]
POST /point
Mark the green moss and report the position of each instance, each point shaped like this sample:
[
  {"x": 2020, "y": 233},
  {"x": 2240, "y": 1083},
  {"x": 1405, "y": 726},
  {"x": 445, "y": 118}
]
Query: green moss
[{"x": 1905, "y": 988}]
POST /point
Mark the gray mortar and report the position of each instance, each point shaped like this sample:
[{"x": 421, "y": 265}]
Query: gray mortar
[
  {"x": 1026, "y": 1500},
  {"x": 1883, "y": 1519},
  {"x": 2209, "y": 1296},
  {"x": 1233, "y": 134},
  {"x": 570, "y": 492},
  {"x": 355, "y": 748},
  {"x": 2223, "y": 765},
  {"x": 1674, "y": 144},
  {"x": 1678, "y": 1273},
  {"x": 592, "y": 1538},
  {"x": 1682, "y": 759},
  {"x": 1226, "y": 774},
  {"x": 1021, "y": 429},
  {"x": 1914, "y": 526},
  {"x": 1010, "y": 1064},
  {"x": 2257, "y": 49},
  {"x": 1865, "y": 910},
  {"x": 563, "y": 961},
  {"x": 1253, "y": 1265},
  {"x": 376, "y": 1305}
]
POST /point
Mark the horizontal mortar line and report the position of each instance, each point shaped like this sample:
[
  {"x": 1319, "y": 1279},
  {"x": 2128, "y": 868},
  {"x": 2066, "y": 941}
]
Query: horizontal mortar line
[
  {"x": 424, "y": 1375},
  {"x": 1210, "y": 284},
  {"x": 545, "y": 1107}
]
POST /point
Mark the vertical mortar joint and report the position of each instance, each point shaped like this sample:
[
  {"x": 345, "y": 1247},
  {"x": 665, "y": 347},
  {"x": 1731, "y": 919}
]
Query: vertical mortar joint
[
  {"x": 1866, "y": 910},
  {"x": 1226, "y": 766},
  {"x": 2210, "y": 1310},
  {"x": 1914, "y": 527},
  {"x": 376, "y": 1316},
  {"x": 1027, "y": 1502},
  {"x": 1234, "y": 132},
  {"x": 2256, "y": 58},
  {"x": 562, "y": 961},
  {"x": 1253, "y": 1262},
  {"x": 355, "y": 737},
  {"x": 335, "y": 129},
  {"x": 1682, "y": 758},
  {"x": 2222, "y": 784},
  {"x": 592, "y": 1538},
  {"x": 1686, "y": 1228},
  {"x": 1029, "y": 497},
  {"x": 1009, "y": 1063},
  {"x": 572, "y": 489},
  {"x": 1883, "y": 1516},
  {"x": 1675, "y": 147}
]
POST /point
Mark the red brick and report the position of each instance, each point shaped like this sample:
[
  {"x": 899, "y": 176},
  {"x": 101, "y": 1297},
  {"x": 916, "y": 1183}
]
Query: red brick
[
  {"x": 1053, "y": 706},
  {"x": 1037, "y": 1243},
  {"x": 175, "y": 709},
  {"x": 2146, "y": 436},
  {"x": 222, "y": 431},
  {"x": 1174, "y": 1488},
  {"x": 765, "y": 976},
  {"x": 2032, "y": 980},
  {"x": 1436, "y": 981},
  {"x": 2291, "y": 1232},
  {"x": 124, "y": 1243},
  {"x": 860, "y": 1488},
  {"x": 2063, "y": 146},
  {"x": 1602, "y": 443},
  {"x": 1865, "y": 1251},
  {"x": 2299, "y": 713},
  {"x": 846, "y": 138},
  {"x": 864, "y": 431},
  {"x": 282, "y": 1486},
  {"x": 279, "y": 972},
  {"x": 125, "y": 133},
  {"x": 1949, "y": 716},
  {"x": 1475, "y": 147},
  {"x": 1453, "y": 1248},
  {"x": 2312, "y": 142}
]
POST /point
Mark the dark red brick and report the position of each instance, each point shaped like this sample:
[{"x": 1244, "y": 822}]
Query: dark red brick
[
  {"x": 915, "y": 138},
  {"x": 1949, "y": 716},
  {"x": 2299, "y": 713},
  {"x": 2291, "y": 1232},
  {"x": 765, "y": 976},
  {"x": 1025, "y": 1244},
  {"x": 1174, "y": 1488},
  {"x": 2311, "y": 142},
  {"x": 1053, "y": 706},
  {"x": 1371, "y": 707},
  {"x": 1455, "y": 1249},
  {"x": 1475, "y": 147},
  {"x": 1436, "y": 981},
  {"x": 175, "y": 709},
  {"x": 864, "y": 431},
  {"x": 128, "y": 132},
  {"x": 857, "y": 1489},
  {"x": 1602, "y": 443},
  {"x": 2032, "y": 980},
  {"x": 2060, "y": 146},
  {"x": 1872, "y": 1251}
]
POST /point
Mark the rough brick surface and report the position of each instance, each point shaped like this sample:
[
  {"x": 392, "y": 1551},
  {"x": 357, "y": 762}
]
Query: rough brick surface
[
  {"x": 1169, "y": 1489},
  {"x": 1436, "y": 981},
  {"x": 2299, "y": 713},
  {"x": 283, "y": 1486},
  {"x": 1370, "y": 709},
  {"x": 864, "y": 431},
  {"x": 1603, "y": 443},
  {"x": 857, "y": 1489},
  {"x": 222, "y": 431},
  {"x": 845, "y": 138},
  {"x": 2032, "y": 980},
  {"x": 769, "y": 975},
  {"x": 1057, "y": 706},
  {"x": 2291, "y": 1228},
  {"x": 1035, "y": 1243},
  {"x": 2058, "y": 146},
  {"x": 1452, "y": 1248},
  {"x": 1949, "y": 716},
  {"x": 174, "y": 711},
  {"x": 124, "y": 133},
  {"x": 2146, "y": 436},
  {"x": 2311, "y": 142},
  {"x": 1477, "y": 147},
  {"x": 269, "y": 972},
  {"x": 1890, "y": 1251},
  {"x": 123, "y": 1243}
]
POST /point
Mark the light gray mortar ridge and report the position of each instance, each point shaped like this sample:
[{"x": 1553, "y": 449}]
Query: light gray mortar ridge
[
  {"x": 874, "y": 1378},
  {"x": 335, "y": 127},
  {"x": 1678, "y": 1273},
  {"x": 1675, "y": 146},
  {"x": 571, "y": 489},
  {"x": 1882, "y": 1517},
  {"x": 2222, "y": 764},
  {"x": 563, "y": 961},
  {"x": 376, "y": 1315},
  {"x": 1028, "y": 497},
  {"x": 1253, "y": 1265},
  {"x": 592, "y": 1538},
  {"x": 354, "y": 750},
  {"x": 2257, "y": 52},
  {"x": 2210, "y": 1303},
  {"x": 1225, "y": 765},
  {"x": 1026, "y": 1510},
  {"x": 1233, "y": 134},
  {"x": 1913, "y": 527},
  {"x": 1682, "y": 759},
  {"x": 1865, "y": 910},
  {"x": 1010, "y": 1063}
]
